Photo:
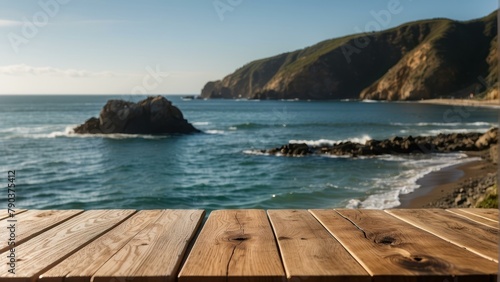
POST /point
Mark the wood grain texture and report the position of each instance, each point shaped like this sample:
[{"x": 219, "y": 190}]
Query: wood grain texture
[
  {"x": 474, "y": 217},
  {"x": 491, "y": 214},
  {"x": 33, "y": 222},
  {"x": 234, "y": 245},
  {"x": 156, "y": 252},
  {"x": 393, "y": 250},
  {"x": 49, "y": 248},
  {"x": 309, "y": 252},
  {"x": 460, "y": 231},
  {"x": 5, "y": 213},
  {"x": 83, "y": 264}
]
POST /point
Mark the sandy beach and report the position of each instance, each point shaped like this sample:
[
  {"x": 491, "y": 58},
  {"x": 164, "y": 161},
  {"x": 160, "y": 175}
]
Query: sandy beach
[
  {"x": 463, "y": 102},
  {"x": 440, "y": 188}
]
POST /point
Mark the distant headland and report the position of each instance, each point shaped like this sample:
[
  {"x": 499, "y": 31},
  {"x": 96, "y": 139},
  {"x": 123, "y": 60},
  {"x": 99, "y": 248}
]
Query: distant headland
[{"x": 438, "y": 58}]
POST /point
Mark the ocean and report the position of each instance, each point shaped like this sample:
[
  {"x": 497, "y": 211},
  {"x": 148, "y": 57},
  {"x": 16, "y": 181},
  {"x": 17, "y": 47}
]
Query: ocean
[{"x": 221, "y": 168}]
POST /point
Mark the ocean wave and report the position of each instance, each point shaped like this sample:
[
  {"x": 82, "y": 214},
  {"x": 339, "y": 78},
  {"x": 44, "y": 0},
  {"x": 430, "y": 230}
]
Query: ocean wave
[
  {"x": 119, "y": 136},
  {"x": 38, "y": 132},
  {"x": 250, "y": 125},
  {"x": 447, "y": 124},
  {"x": 255, "y": 152},
  {"x": 337, "y": 156},
  {"x": 200, "y": 123},
  {"x": 28, "y": 130},
  {"x": 254, "y": 126},
  {"x": 215, "y": 132},
  {"x": 451, "y": 131},
  {"x": 246, "y": 100},
  {"x": 389, "y": 189},
  {"x": 260, "y": 153},
  {"x": 328, "y": 142},
  {"x": 69, "y": 133}
]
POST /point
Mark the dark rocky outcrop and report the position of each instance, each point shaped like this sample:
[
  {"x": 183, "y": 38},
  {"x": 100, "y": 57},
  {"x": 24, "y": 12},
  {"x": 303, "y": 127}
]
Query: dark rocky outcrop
[
  {"x": 417, "y": 60},
  {"x": 154, "y": 115},
  {"x": 441, "y": 143}
]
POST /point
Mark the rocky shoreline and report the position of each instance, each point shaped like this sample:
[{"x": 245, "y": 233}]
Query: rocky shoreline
[
  {"x": 442, "y": 143},
  {"x": 477, "y": 183}
]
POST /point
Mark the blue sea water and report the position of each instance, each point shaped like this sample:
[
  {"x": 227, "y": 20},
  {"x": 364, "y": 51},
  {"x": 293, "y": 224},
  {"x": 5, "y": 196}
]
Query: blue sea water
[{"x": 220, "y": 168}]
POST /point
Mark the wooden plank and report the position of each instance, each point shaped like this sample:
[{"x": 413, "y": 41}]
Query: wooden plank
[
  {"x": 49, "y": 248},
  {"x": 491, "y": 214},
  {"x": 5, "y": 214},
  {"x": 31, "y": 223},
  {"x": 83, "y": 264},
  {"x": 309, "y": 252},
  {"x": 474, "y": 217},
  {"x": 462, "y": 232},
  {"x": 156, "y": 252},
  {"x": 393, "y": 250},
  {"x": 234, "y": 245}
]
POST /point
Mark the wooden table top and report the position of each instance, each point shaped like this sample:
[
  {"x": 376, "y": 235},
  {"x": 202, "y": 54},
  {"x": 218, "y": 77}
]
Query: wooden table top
[{"x": 250, "y": 245}]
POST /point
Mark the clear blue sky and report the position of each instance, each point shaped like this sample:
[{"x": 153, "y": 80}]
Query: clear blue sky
[{"x": 117, "y": 46}]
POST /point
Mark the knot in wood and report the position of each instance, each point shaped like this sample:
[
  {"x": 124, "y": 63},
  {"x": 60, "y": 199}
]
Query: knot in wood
[
  {"x": 239, "y": 238},
  {"x": 386, "y": 240},
  {"x": 420, "y": 263}
]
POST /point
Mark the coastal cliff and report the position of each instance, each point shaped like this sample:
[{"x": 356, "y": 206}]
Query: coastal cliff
[{"x": 418, "y": 60}]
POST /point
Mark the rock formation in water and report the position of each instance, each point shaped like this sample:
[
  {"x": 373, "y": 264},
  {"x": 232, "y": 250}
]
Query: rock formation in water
[
  {"x": 418, "y": 60},
  {"x": 441, "y": 143},
  {"x": 154, "y": 115}
]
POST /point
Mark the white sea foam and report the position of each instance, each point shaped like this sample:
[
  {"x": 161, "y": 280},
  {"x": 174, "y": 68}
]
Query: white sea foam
[
  {"x": 448, "y": 124},
  {"x": 69, "y": 132},
  {"x": 388, "y": 190},
  {"x": 214, "y": 131},
  {"x": 451, "y": 131},
  {"x": 335, "y": 156},
  {"x": 119, "y": 136},
  {"x": 325, "y": 142},
  {"x": 201, "y": 123},
  {"x": 28, "y": 130},
  {"x": 369, "y": 101},
  {"x": 255, "y": 152}
]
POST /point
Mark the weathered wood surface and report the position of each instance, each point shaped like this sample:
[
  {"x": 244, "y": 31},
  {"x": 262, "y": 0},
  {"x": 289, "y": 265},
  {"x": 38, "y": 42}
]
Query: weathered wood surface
[
  {"x": 309, "y": 252},
  {"x": 390, "y": 249},
  {"x": 31, "y": 223},
  {"x": 5, "y": 213},
  {"x": 252, "y": 245},
  {"x": 234, "y": 245},
  {"x": 475, "y": 217},
  {"x": 462, "y": 232},
  {"x": 51, "y": 247},
  {"x": 491, "y": 214},
  {"x": 156, "y": 252},
  {"x": 84, "y": 263}
]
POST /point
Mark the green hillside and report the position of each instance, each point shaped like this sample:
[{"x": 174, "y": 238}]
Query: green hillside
[{"x": 417, "y": 60}]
